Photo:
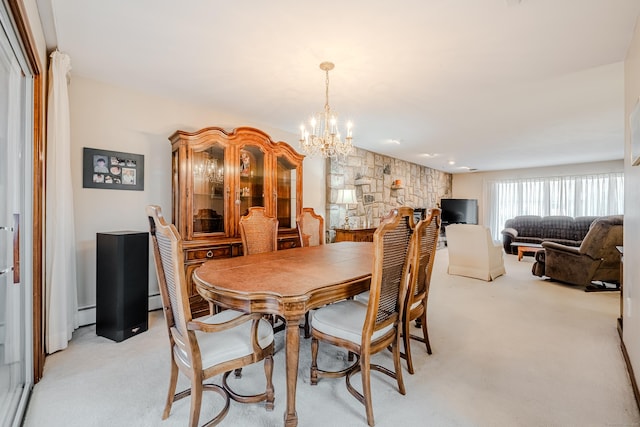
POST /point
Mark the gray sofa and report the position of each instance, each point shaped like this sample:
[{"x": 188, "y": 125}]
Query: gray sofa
[{"x": 565, "y": 230}]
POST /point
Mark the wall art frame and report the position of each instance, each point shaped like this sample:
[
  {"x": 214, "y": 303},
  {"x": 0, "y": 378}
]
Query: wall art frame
[{"x": 112, "y": 170}]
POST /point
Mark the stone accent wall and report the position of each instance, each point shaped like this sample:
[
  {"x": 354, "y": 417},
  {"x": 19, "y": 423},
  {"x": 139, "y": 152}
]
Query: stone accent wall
[{"x": 374, "y": 176}]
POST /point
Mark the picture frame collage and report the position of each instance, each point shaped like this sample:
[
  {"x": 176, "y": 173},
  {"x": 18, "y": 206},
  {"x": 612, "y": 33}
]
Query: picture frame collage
[{"x": 114, "y": 170}]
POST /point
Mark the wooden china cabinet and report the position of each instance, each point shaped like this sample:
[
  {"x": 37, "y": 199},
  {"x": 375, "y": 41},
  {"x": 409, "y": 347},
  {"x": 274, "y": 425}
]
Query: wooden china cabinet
[{"x": 217, "y": 176}]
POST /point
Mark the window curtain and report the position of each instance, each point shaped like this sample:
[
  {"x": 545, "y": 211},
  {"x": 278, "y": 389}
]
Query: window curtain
[
  {"x": 584, "y": 195},
  {"x": 61, "y": 301}
]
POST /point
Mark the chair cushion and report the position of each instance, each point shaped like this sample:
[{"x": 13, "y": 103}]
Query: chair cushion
[
  {"x": 363, "y": 298},
  {"x": 416, "y": 304},
  {"x": 344, "y": 320},
  {"x": 218, "y": 347}
]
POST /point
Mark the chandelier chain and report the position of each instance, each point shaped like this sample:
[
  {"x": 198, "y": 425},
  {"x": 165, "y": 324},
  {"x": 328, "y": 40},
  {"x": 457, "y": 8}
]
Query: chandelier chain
[{"x": 326, "y": 91}]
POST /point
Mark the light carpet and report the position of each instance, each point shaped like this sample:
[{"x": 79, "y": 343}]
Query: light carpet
[{"x": 518, "y": 351}]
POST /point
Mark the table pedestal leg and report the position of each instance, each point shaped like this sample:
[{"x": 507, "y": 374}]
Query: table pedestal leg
[{"x": 292, "y": 348}]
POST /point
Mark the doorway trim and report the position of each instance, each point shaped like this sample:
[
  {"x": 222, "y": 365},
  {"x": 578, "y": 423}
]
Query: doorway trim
[{"x": 25, "y": 34}]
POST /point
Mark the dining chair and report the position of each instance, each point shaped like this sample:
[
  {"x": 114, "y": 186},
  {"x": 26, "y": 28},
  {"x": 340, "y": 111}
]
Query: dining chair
[
  {"x": 368, "y": 329},
  {"x": 258, "y": 231},
  {"x": 422, "y": 252},
  {"x": 311, "y": 233},
  {"x": 310, "y": 228},
  {"x": 259, "y": 234},
  {"x": 207, "y": 346}
]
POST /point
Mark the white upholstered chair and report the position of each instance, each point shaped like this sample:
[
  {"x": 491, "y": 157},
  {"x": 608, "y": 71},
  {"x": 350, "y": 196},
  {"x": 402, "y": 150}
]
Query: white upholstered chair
[{"x": 473, "y": 253}]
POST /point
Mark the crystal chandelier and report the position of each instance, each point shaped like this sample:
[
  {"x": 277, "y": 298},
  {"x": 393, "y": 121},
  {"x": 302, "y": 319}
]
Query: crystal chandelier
[{"x": 324, "y": 137}]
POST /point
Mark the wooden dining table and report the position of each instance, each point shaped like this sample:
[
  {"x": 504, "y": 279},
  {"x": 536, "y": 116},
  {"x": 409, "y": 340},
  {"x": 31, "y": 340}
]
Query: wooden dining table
[{"x": 288, "y": 283}]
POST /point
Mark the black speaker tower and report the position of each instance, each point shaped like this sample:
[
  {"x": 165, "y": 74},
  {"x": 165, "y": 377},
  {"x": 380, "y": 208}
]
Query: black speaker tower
[{"x": 122, "y": 283}]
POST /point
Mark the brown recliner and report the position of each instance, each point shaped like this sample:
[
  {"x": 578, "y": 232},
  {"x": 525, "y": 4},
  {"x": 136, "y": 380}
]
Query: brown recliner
[{"x": 596, "y": 259}]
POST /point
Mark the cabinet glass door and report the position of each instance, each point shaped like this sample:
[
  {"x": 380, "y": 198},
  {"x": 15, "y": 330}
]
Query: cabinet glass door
[
  {"x": 252, "y": 179},
  {"x": 209, "y": 195},
  {"x": 286, "y": 184}
]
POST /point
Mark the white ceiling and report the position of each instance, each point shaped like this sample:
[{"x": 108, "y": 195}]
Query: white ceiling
[{"x": 489, "y": 84}]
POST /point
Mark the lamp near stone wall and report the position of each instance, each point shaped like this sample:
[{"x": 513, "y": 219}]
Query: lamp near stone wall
[{"x": 346, "y": 196}]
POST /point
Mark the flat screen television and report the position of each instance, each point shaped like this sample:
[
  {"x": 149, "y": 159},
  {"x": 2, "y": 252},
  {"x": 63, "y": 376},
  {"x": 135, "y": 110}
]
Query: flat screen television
[{"x": 459, "y": 211}]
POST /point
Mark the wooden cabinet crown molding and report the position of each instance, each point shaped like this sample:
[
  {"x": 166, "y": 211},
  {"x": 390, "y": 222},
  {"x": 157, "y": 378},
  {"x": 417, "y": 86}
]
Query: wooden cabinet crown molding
[{"x": 245, "y": 134}]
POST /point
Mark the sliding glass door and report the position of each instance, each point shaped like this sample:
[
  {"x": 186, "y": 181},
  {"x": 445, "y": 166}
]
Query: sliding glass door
[{"x": 16, "y": 360}]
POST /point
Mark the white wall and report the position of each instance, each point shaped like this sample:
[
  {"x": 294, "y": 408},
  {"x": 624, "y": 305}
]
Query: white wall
[
  {"x": 117, "y": 119},
  {"x": 631, "y": 280},
  {"x": 472, "y": 185}
]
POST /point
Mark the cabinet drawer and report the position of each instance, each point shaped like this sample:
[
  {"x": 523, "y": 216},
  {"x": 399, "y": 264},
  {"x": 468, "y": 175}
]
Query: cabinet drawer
[{"x": 208, "y": 253}]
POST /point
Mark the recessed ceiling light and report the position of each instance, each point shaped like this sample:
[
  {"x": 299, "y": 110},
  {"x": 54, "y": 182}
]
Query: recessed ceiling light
[
  {"x": 429, "y": 155},
  {"x": 394, "y": 141},
  {"x": 451, "y": 162}
]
